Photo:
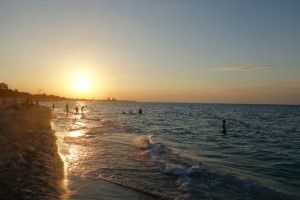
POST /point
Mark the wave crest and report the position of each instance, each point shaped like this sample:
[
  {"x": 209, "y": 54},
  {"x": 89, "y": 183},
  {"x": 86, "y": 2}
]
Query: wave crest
[{"x": 143, "y": 141}]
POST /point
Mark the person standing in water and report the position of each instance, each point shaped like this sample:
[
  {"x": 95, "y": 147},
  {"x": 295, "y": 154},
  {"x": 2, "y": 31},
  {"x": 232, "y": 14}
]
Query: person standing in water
[
  {"x": 76, "y": 109},
  {"x": 140, "y": 111},
  {"x": 223, "y": 127},
  {"x": 67, "y": 108},
  {"x": 82, "y": 109}
]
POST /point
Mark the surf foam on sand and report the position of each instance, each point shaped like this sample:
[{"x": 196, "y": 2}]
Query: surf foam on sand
[{"x": 30, "y": 167}]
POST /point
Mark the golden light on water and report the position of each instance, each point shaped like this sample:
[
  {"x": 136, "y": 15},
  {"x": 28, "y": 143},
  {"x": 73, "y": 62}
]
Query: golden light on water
[{"x": 76, "y": 133}]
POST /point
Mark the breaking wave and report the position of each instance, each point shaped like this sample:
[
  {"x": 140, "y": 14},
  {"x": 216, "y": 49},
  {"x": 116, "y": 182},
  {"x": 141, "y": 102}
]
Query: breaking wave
[{"x": 197, "y": 180}]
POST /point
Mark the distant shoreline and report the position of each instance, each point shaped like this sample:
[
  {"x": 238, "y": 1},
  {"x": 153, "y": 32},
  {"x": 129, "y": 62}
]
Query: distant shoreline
[
  {"x": 264, "y": 104},
  {"x": 255, "y": 104},
  {"x": 89, "y": 100},
  {"x": 10, "y": 94}
]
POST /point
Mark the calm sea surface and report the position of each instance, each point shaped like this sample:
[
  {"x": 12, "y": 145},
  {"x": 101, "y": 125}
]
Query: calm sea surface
[{"x": 176, "y": 151}]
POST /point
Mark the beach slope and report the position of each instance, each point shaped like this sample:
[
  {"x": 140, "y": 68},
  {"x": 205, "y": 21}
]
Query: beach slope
[{"x": 30, "y": 167}]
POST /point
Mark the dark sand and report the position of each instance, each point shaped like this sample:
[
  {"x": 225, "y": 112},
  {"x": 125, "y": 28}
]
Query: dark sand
[{"x": 30, "y": 167}]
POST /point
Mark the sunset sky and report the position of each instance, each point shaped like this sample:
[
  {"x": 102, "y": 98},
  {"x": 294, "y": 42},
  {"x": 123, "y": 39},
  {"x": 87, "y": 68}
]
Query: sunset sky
[{"x": 233, "y": 51}]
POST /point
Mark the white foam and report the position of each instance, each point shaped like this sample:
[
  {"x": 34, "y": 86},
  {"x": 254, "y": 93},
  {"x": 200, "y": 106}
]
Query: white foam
[
  {"x": 166, "y": 161},
  {"x": 143, "y": 141},
  {"x": 176, "y": 169},
  {"x": 194, "y": 176}
]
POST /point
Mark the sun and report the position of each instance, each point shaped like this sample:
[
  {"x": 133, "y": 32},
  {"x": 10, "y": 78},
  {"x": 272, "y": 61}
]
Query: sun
[{"x": 82, "y": 83}]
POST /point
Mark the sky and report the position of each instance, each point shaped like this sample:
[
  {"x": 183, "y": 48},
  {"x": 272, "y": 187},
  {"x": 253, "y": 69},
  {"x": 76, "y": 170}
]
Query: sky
[{"x": 198, "y": 51}]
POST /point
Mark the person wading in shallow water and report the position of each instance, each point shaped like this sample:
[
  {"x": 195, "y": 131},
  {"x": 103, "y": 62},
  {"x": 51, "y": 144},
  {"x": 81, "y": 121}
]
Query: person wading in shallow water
[
  {"x": 76, "y": 109},
  {"x": 67, "y": 108},
  {"x": 223, "y": 127},
  {"x": 82, "y": 108}
]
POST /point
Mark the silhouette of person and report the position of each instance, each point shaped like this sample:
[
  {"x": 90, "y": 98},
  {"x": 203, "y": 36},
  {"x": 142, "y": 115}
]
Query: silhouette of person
[
  {"x": 223, "y": 127},
  {"x": 67, "y": 108},
  {"x": 140, "y": 111},
  {"x": 53, "y": 106},
  {"x": 82, "y": 109},
  {"x": 76, "y": 109}
]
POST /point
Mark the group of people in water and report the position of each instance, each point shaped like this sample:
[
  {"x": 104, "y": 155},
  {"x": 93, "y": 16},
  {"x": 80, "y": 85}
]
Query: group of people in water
[
  {"x": 222, "y": 128},
  {"x": 140, "y": 111},
  {"x": 76, "y": 109}
]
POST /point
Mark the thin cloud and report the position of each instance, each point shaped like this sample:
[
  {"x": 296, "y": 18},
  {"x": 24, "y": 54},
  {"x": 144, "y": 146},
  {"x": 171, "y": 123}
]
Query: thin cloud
[{"x": 243, "y": 68}]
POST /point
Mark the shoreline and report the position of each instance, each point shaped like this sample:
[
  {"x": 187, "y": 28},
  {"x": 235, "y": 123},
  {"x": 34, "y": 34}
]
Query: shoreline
[{"x": 30, "y": 165}]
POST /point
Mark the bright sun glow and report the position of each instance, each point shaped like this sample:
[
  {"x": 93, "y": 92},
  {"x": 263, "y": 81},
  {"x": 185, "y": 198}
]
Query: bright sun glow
[{"x": 82, "y": 83}]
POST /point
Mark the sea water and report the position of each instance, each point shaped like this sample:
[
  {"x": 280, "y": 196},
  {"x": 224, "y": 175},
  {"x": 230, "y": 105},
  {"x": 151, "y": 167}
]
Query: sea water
[{"x": 176, "y": 151}]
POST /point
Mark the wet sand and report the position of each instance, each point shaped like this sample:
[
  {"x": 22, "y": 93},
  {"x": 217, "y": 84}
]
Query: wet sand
[{"x": 30, "y": 167}]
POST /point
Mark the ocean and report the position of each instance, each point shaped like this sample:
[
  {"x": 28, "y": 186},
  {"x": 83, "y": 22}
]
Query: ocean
[{"x": 177, "y": 151}]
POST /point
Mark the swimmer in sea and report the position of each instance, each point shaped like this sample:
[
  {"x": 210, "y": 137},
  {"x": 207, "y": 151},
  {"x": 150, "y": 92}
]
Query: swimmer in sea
[{"x": 223, "y": 127}]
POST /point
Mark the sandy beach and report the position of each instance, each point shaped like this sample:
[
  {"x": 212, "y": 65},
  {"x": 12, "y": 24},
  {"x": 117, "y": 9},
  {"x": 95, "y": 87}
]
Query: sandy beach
[{"x": 29, "y": 162}]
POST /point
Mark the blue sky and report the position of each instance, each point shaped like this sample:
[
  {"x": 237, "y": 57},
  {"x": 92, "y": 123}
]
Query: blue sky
[{"x": 169, "y": 50}]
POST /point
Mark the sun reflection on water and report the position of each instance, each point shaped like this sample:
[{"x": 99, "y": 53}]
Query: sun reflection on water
[{"x": 76, "y": 133}]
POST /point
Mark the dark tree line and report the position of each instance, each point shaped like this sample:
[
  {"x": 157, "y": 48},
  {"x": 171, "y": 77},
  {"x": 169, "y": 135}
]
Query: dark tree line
[
  {"x": 3, "y": 86},
  {"x": 5, "y": 92}
]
